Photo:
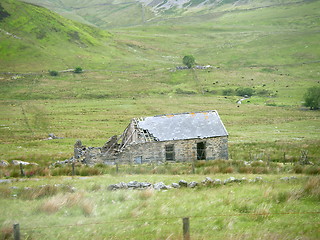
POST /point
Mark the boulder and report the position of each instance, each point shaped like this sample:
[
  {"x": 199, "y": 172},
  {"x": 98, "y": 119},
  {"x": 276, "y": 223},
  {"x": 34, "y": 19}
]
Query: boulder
[
  {"x": 145, "y": 185},
  {"x": 113, "y": 187},
  {"x": 175, "y": 185},
  {"x": 183, "y": 183},
  {"x": 192, "y": 184},
  {"x": 230, "y": 180},
  {"x": 52, "y": 136},
  {"x": 18, "y": 162},
  {"x": 258, "y": 179},
  {"x": 217, "y": 181},
  {"x": 4, "y": 163},
  {"x": 207, "y": 181},
  {"x": 133, "y": 184},
  {"x": 160, "y": 186},
  {"x": 78, "y": 144}
]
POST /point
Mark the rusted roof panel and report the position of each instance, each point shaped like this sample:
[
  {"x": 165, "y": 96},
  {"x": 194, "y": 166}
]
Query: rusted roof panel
[{"x": 184, "y": 126}]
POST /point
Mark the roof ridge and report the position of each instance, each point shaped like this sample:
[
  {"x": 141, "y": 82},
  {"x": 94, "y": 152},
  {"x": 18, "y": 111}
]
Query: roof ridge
[{"x": 174, "y": 114}]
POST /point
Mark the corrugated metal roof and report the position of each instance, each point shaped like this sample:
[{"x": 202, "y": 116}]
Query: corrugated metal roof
[{"x": 184, "y": 126}]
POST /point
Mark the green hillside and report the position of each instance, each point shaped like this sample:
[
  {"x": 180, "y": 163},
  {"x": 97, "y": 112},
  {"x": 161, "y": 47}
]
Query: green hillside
[
  {"x": 34, "y": 39},
  {"x": 123, "y": 13},
  {"x": 131, "y": 72}
]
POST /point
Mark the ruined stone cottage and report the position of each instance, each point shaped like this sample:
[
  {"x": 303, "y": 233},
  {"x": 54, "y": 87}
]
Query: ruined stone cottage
[{"x": 175, "y": 138}]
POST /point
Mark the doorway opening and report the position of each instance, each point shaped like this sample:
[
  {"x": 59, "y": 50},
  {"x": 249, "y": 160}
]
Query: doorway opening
[{"x": 201, "y": 151}]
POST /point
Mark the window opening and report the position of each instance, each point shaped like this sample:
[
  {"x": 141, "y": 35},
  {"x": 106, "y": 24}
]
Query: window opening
[
  {"x": 138, "y": 160},
  {"x": 169, "y": 152}
]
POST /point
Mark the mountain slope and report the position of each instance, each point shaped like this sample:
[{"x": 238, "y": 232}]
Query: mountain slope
[
  {"x": 122, "y": 13},
  {"x": 33, "y": 38}
]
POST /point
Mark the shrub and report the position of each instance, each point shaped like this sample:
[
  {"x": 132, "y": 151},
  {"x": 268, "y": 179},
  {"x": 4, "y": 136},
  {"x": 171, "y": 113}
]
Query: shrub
[
  {"x": 211, "y": 170},
  {"x": 282, "y": 197},
  {"x": 298, "y": 169},
  {"x": 244, "y": 91},
  {"x": 260, "y": 170},
  {"x": 228, "y": 92},
  {"x": 247, "y": 169},
  {"x": 39, "y": 192},
  {"x": 145, "y": 194},
  {"x": 313, "y": 170},
  {"x": 312, "y": 98},
  {"x": 6, "y": 232},
  {"x": 89, "y": 171},
  {"x": 312, "y": 187},
  {"x": 78, "y": 70},
  {"x": 55, "y": 203},
  {"x": 228, "y": 170},
  {"x": 188, "y": 60},
  {"x": 87, "y": 207},
  {"x": 264, "y": 92},
  {"x": 181, "y": 91},
  {"x": 62, "y": 171},
  {"x": 5, "y": 192},
  {"x": 53, "y": 73}
]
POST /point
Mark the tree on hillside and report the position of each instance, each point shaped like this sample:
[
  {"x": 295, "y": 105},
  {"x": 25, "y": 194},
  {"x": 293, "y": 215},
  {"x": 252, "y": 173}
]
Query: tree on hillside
[
  {"x": 312, "y": 98},
  {"x": 189, "y": 61}
]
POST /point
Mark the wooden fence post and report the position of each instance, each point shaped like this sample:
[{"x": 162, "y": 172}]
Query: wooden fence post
[
  {"x": 73, "y": 170},
  {"x": 193, "y": 167},
  {"x": 16, "y": 231},
  {"x": 21, "y": 170},
  {"x": 186, "y": 228},
  {"x": 117, "y": 168}
]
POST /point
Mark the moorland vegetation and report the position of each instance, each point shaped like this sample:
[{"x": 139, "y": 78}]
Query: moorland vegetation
[{"x": 265, "y": 50}]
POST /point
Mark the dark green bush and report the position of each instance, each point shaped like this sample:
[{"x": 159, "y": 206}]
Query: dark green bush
[
  {"x": 245, "y": 91},
  {"x": 312, "y": 98},
  {"x": 78, "y": 70},
  {"x": 53, "y": 73},
  {"x": 228, "y": 92}
]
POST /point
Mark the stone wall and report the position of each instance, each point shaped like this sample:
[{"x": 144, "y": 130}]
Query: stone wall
[{"x": 184, "y": 150}]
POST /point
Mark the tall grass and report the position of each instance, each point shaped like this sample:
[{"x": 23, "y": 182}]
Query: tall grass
[
  {"x": 69, "y": 200},
  {"x": 199, "y": 167}
]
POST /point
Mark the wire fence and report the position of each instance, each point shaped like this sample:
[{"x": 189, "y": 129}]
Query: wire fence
[{"x": 185, "y": 221}]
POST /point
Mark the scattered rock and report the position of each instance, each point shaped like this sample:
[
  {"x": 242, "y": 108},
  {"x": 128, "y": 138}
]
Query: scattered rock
[
  {"x": 229, "y": 180},
  {"x": 192, "y": 184},
  {"x": 52, "y": 136},
  {"x": 217, "y": 181},
  {"x": 5, "y": 181},
  {"x": 258, "y": 179},
  {"x": 175, "y": 185},
  {"x": 145, "y": 185},
  {"x": 160, "y": 186},
  {"x": 4, "y": 163},
  {"x": 183, "y": 183},
  {"x": 133, "y": 184},
  {"x": 288, "y": 178},
  {"x": 207, "y": 181},
  {"x": 18, "y": 162}
]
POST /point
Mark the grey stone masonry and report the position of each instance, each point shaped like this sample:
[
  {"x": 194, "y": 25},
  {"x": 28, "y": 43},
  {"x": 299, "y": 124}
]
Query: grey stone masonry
[{"x": 184, "y": 150}]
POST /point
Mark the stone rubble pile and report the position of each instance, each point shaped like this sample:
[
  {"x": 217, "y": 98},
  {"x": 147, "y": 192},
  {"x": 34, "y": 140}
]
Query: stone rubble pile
[
  {"x": 52, "y": 136},
  {"x": 288, "y": 178},
  {"x": 4, "y": 163},
  {"x": 182, "y": 183}
]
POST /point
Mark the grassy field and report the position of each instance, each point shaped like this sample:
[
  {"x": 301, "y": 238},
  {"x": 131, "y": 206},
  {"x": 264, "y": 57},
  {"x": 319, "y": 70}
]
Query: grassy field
[
  {"x": 92, "y": 108},
  {"x": 131, "y": 72},
  {"x": 82, "y": 208}
]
